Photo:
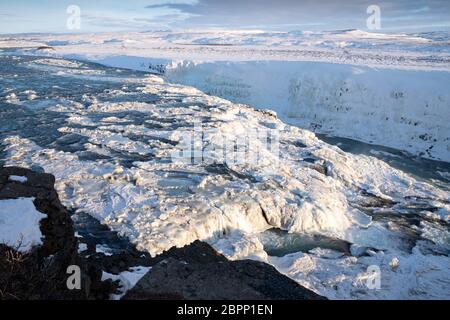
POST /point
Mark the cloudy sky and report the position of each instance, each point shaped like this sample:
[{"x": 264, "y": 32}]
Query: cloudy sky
[{"x": 22, "y": 16}]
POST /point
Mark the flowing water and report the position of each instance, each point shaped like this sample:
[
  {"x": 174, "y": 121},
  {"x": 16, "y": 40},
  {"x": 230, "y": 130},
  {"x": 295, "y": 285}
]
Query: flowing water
[{"x": 32, "y": 90}]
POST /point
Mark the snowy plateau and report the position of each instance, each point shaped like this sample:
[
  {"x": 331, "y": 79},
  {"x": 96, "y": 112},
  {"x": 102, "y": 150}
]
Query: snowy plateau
[{"x": 354, "y": 203}]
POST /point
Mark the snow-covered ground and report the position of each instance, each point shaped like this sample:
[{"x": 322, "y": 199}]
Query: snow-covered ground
[
  {"x": 392, "y": 88},
  {"x": 167, "y": 164},
  {"x": 20, "y": 224}
]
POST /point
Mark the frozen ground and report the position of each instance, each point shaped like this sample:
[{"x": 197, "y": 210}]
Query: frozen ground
[
  {"x": 393, "y": 88},
  {"x": 19, "y": 224},
  {"x": 118, "y": 143}
]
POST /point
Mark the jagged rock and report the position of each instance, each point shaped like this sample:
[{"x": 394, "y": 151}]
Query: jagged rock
[
  {"x": 41, "y": 273},
  {"x": 197, "y": 271},
  {"x": 57, "y": 227}
]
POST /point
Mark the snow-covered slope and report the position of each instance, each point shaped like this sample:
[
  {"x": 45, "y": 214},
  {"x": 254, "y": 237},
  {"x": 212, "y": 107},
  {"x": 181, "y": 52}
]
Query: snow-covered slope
[
  {"x": 390, "y": 90},
  {"x": 20, "y": 224},
  {"x": 128, "y": 149}
]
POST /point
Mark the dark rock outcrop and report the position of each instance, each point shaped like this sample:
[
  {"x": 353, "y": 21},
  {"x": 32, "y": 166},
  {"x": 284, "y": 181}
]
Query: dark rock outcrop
[{"x": 197, "y": 271}]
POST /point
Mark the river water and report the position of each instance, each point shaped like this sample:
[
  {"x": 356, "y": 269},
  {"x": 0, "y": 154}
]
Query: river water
[{"x": 32, "y": 88}]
